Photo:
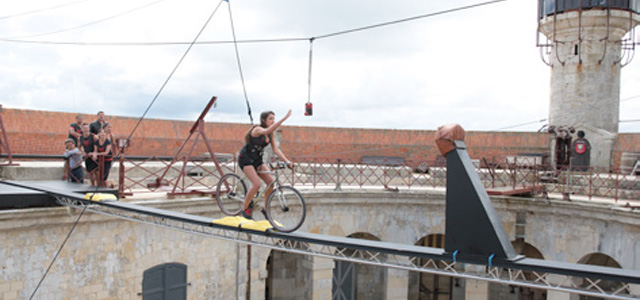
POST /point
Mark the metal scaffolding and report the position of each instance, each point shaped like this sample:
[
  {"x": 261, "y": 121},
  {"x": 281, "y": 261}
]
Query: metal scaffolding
[{"x": 524, "y": 272}]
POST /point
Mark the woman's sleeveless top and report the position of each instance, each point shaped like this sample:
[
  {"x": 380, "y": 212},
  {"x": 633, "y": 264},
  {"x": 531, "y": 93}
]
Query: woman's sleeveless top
[{"x": 254, "y": 149}]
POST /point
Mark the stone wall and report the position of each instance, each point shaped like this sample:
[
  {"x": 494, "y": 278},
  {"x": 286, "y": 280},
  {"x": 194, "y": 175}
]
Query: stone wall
[{"x": 106, "y": 257}]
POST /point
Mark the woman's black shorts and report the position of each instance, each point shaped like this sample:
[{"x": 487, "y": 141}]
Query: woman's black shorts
[{"x": 244, "y": 160}]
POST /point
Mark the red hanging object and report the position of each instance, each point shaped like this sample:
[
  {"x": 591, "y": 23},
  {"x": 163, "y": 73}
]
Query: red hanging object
[{"x": 308, "y": 109}]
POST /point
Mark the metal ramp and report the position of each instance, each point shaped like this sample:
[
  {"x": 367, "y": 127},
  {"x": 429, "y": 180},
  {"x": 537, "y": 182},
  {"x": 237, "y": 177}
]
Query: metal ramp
[
  {"x": 19, "y": 197},
  {"x": 390, "y": 255}
]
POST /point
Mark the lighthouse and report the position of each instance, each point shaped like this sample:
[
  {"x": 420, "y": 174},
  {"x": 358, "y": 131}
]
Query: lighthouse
[{"x": 586, "y": 43}]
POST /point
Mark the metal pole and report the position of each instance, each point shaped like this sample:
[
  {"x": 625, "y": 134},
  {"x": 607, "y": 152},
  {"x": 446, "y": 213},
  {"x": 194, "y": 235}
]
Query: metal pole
[
  {"x": 567, "y": 192},
  {"x": 338, "y": 183},
  {"x": 101, "y": 170},
  {"x": 237, "y": 270},
  {"x": 590, "y": 182},
  {"x": 248, "y": 295},
  {"x": 514, "y": 171},
  {"x": 615, "y": 197},
  {"x": 121, "y": 173}
]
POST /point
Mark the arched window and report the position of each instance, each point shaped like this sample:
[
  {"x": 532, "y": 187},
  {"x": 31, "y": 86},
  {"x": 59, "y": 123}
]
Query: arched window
[
  {"x": 600, "y": 259},
  {"x": 500, "y": 291},
  {"x": 165, "y": 282},
  {"x": 427, "y": 286},
  {"x": 359, "y": 281},
  {"x": 289, "y": 276}
]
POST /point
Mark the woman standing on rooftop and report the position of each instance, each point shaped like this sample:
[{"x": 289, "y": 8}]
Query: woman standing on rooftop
[
  {"x": 109, "y": 134},
  {"x": 87, "y": 143},
  {"x": 103, "y": 150}
]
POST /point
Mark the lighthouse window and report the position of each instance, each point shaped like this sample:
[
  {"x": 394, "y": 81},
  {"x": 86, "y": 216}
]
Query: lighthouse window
[{"x": 575, "y": 50}]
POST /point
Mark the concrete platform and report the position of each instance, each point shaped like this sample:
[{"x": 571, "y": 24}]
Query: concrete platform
[{"x": 12, "y": 197}]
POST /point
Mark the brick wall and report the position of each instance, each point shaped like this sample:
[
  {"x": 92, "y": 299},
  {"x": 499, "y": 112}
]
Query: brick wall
[{"x": 43, "y": 132}]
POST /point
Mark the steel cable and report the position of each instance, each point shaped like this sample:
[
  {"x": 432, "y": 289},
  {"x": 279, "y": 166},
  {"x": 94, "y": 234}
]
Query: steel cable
[
  {"x": 88, "y": 24},
  {"x": 41, "y": 10},
  {"x": 235, "y": 44},
  {"x": 294, "y": 39},
  {"x": 164, "y": 84},
  {"x": 129, "y": 137},
  {"x": 53, "y": 260}
]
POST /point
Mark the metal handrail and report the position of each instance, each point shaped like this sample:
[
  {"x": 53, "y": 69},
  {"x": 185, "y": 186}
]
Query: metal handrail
[
  {"x": 343, "y": 173},
  {"x": 519, "y": 173}
]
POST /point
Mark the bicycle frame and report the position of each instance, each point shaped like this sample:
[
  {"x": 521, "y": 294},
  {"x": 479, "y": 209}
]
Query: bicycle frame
[
  {"x": 274, "y": 184},
  {"x": 279, "y": 199}
]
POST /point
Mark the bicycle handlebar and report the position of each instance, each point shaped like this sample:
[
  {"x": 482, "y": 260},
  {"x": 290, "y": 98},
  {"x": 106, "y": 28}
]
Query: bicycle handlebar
[{"x": 280, "y": 165}]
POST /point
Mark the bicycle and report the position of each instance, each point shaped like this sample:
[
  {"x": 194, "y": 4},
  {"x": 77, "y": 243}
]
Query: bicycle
[{"x": 285, "y": 207}]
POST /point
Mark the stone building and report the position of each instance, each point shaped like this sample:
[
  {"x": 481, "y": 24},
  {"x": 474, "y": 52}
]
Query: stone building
[{"x": 111, "y": 258}]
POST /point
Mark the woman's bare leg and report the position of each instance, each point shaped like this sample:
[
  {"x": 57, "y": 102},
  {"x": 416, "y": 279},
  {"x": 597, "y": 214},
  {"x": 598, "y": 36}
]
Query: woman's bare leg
[
  {"x": 252, "y": 175},
  {"x": 266, "y": 177},
  {"x": 92, "y": 175}
]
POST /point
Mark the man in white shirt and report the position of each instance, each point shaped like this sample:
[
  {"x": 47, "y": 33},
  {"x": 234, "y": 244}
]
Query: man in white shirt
[{"x": 73, "y": 154}]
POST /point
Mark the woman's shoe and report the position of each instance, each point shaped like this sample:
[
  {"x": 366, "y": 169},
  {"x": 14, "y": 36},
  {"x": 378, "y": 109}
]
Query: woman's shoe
[{"x": 247, "y": 214}]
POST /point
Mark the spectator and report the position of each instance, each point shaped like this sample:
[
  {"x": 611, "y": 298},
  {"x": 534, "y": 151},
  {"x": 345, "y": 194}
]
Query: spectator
[
  {"x": 562, "y": 149},
  {"x": 87, "y": 147},
  {"x": 111, "y": 138},
  {"x": 74, "y": 155},
  {"x": 97, "y": 124},
  {"x": 75, "y": 130},
  {"x": 103, "y": 149},
  {"x": 581, "y": 153}
]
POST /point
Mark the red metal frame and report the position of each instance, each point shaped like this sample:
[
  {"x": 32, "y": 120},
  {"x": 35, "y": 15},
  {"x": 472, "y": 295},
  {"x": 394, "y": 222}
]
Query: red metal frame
[{"x": 198, "y": 130}]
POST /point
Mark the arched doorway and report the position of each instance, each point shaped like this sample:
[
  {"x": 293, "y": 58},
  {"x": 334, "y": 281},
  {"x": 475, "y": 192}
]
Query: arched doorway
[
  {"x": 510, "y": 292},
  {"x": 353, "y": 281},
  {"x": 289, "y": 276},
  {"x": 599, "y": 259},
  {"x": 425, "y": 286}
]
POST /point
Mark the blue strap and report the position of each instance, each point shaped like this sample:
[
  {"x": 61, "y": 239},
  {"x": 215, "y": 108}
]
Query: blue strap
[
  {"x": 491, "y": 258},
  {"x": 454, "y": 255}
]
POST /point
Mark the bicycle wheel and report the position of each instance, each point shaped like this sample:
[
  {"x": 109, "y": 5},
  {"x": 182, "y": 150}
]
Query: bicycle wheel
[
  {"x": 286, "y": 209},
  {"x": 230, "y": 193}
]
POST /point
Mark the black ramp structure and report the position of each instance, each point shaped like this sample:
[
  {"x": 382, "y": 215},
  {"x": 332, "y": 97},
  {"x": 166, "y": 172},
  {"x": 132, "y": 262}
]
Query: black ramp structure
[
  {"x": 473, "y": 230},
  {"x": 23, "y": 197}
]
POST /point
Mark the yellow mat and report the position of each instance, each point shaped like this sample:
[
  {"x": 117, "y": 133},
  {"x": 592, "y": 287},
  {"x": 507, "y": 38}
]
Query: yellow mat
[
  {"x": 100, "y": 197},
  {"x": 241, "y": 222}
]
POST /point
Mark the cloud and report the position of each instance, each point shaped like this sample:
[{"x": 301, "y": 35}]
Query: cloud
[{"x": 478, "y": 67}]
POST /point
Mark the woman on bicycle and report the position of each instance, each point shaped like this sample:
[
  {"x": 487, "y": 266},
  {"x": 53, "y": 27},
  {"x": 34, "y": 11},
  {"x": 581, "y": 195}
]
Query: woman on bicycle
[{"x": 250, "y": 158}]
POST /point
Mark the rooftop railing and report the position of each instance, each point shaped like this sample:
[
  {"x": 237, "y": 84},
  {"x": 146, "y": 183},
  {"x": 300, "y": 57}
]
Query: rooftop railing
[
  {"x": 510, "y": 174},
  {"x": 139, "y": 175}
]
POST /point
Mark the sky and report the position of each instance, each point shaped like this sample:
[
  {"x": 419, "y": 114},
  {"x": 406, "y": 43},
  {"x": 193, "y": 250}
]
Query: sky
[{"x": 476, "y": 65}]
